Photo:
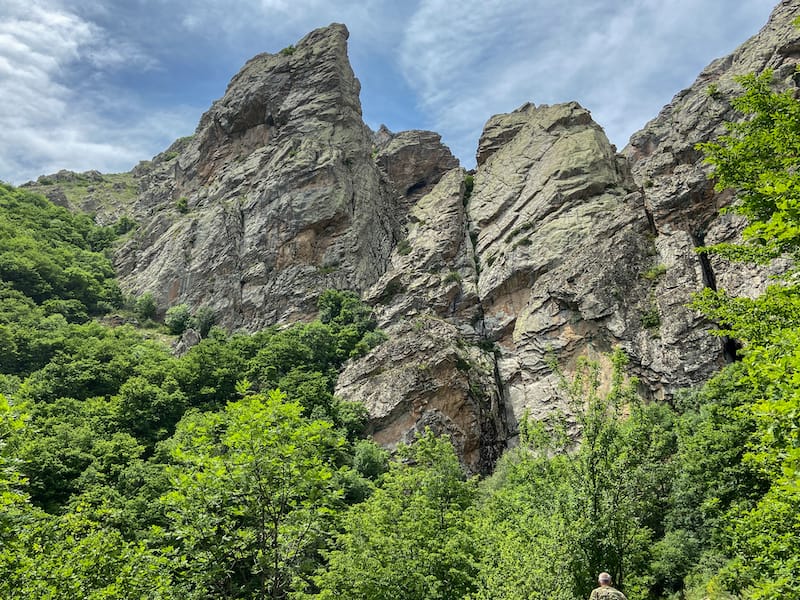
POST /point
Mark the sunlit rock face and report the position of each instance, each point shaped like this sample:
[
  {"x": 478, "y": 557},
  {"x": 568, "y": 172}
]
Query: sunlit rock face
[
  {"x": 276, "y": 196},
  {"x": 576, "y": 250},
  {"x": 569, "y": 262},
  {"x": 667, "y": 166},
  {"x": 554, "y": 249}
]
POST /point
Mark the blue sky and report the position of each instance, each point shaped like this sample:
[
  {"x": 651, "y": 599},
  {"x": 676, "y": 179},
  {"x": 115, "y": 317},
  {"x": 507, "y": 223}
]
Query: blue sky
[{"x": 102, "y": 84}]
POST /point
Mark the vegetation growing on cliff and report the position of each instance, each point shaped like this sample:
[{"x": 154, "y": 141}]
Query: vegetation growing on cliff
[{"x": 234, "y": 472}]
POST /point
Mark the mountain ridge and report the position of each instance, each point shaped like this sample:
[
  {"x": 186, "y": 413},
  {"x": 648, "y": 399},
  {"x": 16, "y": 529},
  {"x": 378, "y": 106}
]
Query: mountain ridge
[{"x": 563, "y": 248}]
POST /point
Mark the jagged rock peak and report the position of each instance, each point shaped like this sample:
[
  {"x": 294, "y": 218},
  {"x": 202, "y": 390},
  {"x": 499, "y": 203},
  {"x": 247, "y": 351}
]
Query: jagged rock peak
[
  {"x": 413, "y": 161},
  {"x": 296, "y": 90},
  {"x": 331, "y": 40},
  {"x": 275, "y": 198}
]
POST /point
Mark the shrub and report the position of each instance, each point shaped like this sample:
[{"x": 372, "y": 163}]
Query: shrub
[
  {"x": 204, "y": 319},
  {"x": 124, "y": 225},
  {"x": 655, "y": 272},
  {"x": 651, "y": 319},
  {"x": 145, "y": 307},
  {"x": 453, "y": 276},
  {"x": 469, "y": 185},
  {"x": 178, "y": 318}
]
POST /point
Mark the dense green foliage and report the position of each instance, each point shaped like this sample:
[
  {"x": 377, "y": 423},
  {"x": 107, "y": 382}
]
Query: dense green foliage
[
  {"x": 234, "y": 472},
  {"x": 760, "y": 529},
  {"x": 759, "y": 158},
  {"x": 409, "y": 540},
  {"x": 48, "y": 253}
]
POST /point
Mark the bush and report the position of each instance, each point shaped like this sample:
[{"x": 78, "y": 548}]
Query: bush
[
  {"x": 124, "y": 225},
  {"x": 204, "y": 319},
  {"x": 177, "y": 319},
  {"x": 651, "y": 319},
  {"x": 145, "y": 307},
  {"x": 469, "y": 185},
  {"x": 655, "y": 272}
]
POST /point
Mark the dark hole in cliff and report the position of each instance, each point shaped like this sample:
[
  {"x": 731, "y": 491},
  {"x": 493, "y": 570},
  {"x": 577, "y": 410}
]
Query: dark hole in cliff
[
  {"x": 416, "y": 187},
  {"x": 730, "y": 349}
]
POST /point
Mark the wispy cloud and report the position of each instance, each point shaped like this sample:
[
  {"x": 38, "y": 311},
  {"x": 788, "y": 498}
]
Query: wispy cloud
[
  {"x": 49, "y": 120},
  {"x": 73, "y": 75},
  {"x": 471, "y": 59},
  {"x": 105, "y": 83}
]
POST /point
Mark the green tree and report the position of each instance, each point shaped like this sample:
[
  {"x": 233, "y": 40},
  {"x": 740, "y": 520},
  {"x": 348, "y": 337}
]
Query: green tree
[
  {"x": 178, "y": 318},
  {"x": 145, "y": 307},
  {"x": 759, "y": 159},
  {"x": 254, "y": 493},
  {"x": 520, "y": 530},
  {"x": 11, "y": 480},
  {"x": 70, "y": 556},
  {"x": 203, "y": 319},
  {"x": 409, "y": 540},
  {"x": 48, "y": 253},
  {"x": 558, "y": 511}
]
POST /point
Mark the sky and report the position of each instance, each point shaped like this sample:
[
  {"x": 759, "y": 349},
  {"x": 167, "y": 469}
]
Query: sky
[{"x": 103, "y": 84}]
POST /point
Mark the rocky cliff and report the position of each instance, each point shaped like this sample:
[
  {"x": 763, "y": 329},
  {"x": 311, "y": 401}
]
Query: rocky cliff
[
  {"x": 277, "y": 195},
  {"x": 555, "y": 248}
]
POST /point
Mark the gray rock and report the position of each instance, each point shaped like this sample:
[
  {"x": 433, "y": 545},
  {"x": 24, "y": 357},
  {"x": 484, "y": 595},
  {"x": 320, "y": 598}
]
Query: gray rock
[
  {"x": 561, "y": 239},
  {"x": 684, "y": 209},
  {"x": 413, "y": 161},
  {"x": 564, "y": 250},
  {"x": 426, "y": 375},
  {"x": 275, "y": 197}
]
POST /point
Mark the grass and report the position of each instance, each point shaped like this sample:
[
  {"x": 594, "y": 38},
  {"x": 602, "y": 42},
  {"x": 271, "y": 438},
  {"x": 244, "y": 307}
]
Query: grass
[
  {"x": 404, "y": 247},
  {"x": 452, "y": 276},
  {"x": 655, "y": 272},
  {"x": 111, "y": 191}
]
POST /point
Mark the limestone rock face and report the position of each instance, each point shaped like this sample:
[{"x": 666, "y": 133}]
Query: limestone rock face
[
  {"x": 562, "y": 249},
  {"x": 275, "y": 197},
  {"x": 665, "y": 163},
  {"x": 433, "y": 371},
  {"x": 432, "y": 269}
]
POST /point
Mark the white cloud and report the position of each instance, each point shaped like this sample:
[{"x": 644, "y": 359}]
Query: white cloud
[
  {"x": 71, "y": 80},
  {"x": 47, "y": 123},
  {"x": 471, "y": 59},
  {"x": 105, "y": 83}
]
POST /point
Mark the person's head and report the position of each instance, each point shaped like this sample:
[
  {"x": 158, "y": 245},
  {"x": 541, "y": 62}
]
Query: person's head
[{"x": 604, "y": 578}]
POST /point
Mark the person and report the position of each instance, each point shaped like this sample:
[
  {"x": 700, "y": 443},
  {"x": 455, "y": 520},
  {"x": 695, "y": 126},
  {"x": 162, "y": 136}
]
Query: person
[{"x": 605, "y": 591}]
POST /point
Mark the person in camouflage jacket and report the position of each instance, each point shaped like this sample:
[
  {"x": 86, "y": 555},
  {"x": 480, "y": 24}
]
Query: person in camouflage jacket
[{"x": 605, "y": 591}]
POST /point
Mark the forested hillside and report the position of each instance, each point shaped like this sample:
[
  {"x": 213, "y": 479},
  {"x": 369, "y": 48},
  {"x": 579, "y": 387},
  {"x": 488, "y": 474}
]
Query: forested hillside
[{"x": 232, "y": 471}]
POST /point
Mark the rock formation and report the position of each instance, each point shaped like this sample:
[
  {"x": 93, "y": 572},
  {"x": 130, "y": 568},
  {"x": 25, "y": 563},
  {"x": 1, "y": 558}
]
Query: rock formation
[
  {"x": 555, "y": 248},
  {"x": 576, "y": 250},
  {"x": 679, "y": 196},
  {"x": 277, "y": 195}
]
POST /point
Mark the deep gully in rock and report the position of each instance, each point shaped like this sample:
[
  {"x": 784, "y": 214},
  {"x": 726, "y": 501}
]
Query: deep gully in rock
[{"x": 495, "y": 430}]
